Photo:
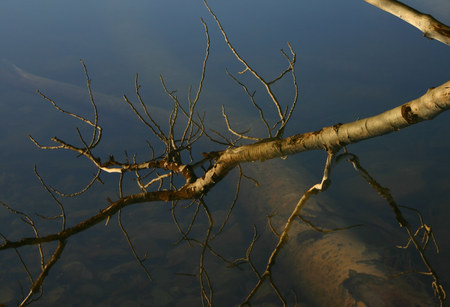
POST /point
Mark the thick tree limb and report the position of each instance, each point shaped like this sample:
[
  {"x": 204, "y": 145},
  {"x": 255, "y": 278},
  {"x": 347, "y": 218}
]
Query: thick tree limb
[
  {"x": 431, "y": 28},
  {"x": 434, "y": 102},
  {"x": 172, "y": 162}
]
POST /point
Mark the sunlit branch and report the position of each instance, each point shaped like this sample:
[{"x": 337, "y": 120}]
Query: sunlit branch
[
  {"x": 248, "y": 67},
  {"x": 95, "y": 137},
  {"x": 431, "y": 104},
  {"x": 252, "y": 98},
  {"x": 431, "y": 28},
  {"x": 434, "y": 102},
  {"x": 294, "y": 81},
  {"x": 94, "y": 106},
  {"x": 178, "y": 158},
  {"x": 192, "y": 103},
  {"x": 159, "y": 178},
  {"x": 241, "y": 135}
]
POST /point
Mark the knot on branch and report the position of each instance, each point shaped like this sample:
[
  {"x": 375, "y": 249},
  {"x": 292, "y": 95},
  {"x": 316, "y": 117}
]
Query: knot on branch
[{"x": 409, "y": 115}]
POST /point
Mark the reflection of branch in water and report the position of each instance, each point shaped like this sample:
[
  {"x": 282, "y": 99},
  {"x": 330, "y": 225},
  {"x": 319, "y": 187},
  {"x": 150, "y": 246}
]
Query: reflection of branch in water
[
  {"x": 326, "y": 230},
  {"x": 207, "y": 293},
  {"x": 386, "y": 194},
  {"x": 248, "y": 253},
  {"x": 140, "y": 260},
  {"x": 233, "y": 203},
  {"x": 283, "y": 237},
  {"x": 179, "y": 147},
  {"x": 427, "y": 232}
]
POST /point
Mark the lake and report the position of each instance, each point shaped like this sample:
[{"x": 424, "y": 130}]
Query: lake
[{"x": 353, "y": 61}]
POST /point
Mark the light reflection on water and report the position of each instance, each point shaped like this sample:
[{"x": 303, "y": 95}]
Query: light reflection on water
[{"x": 341, "y": 79}]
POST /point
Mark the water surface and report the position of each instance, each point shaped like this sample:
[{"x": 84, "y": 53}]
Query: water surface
[{"x": 353, "y": 60}]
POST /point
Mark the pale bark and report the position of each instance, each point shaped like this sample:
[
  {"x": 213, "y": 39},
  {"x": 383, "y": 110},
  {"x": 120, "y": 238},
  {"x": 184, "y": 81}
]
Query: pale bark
[
  {"x": 431, "y": 28},
  {"x": 434, "y": 102},
  {"x": 331, "y": 139}
]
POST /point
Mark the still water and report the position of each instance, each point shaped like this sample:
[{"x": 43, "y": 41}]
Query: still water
[{"x": 353, "y": 61}]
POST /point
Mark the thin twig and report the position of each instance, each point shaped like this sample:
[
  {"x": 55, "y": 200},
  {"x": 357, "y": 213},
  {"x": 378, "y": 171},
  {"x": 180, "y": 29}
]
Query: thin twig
[{"x": 130, "y": 244}]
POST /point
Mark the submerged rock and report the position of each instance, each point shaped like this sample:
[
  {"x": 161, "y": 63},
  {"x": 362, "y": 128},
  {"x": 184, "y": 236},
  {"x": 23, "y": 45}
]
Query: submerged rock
[{"x": 339, "y": 268}]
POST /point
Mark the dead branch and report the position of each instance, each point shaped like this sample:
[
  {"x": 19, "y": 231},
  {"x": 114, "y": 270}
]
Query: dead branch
[
  {"x": 427, "y": 107},
  {"x": 434, "y": 102},
  {"x": 178, "y": 149},
  {"x": 431, "y": 28},
  {"x": 283, "y": 117}
]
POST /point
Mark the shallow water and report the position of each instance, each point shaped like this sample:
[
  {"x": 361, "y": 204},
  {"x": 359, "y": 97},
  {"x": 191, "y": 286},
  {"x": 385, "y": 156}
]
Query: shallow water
[{"x": 356, "y": 61}]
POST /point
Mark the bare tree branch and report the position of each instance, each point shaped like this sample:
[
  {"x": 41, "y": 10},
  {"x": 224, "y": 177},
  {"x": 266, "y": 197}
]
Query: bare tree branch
[
  {"x": 434, "y": 102},
  {"x": 431, "y": 104},
  {"x": 283, "y": 117},
  {"x": 431, "y": 28},
  {"x": 175, "y": 175}
]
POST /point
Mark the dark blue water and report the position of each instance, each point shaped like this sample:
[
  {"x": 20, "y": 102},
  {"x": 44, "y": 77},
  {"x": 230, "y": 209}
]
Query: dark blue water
[{"x": 353, "y": 61}]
